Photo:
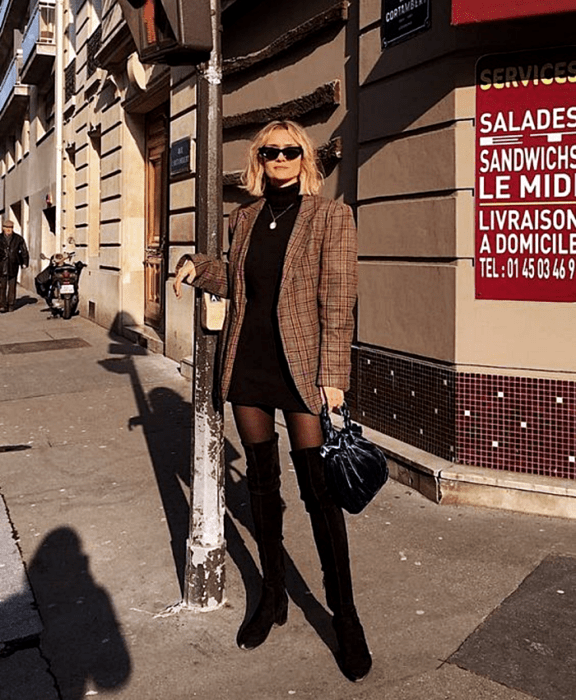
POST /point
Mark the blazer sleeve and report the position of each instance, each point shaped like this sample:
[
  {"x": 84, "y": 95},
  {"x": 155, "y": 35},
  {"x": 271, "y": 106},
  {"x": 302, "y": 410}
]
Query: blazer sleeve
[
  {"x": 337, "y": 292},
  {"x": 212, "y": 274}
]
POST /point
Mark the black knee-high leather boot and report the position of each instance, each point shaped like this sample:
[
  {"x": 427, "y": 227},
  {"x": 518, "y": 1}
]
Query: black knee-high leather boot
[
  {"x": 329, "y": 529},
  {"x": 263, "y": 477}
]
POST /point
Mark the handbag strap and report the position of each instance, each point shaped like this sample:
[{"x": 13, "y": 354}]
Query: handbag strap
[
  {"x": 349, "y": 428},
  {"x": 345, "y": 411},
  {"x": 327, "y": 427}
]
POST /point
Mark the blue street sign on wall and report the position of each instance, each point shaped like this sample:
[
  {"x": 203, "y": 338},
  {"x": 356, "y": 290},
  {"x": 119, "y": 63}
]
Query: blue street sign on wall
[{"x": 180, "y": 157}]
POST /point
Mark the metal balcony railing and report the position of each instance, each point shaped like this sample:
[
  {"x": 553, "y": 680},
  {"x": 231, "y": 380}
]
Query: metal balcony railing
[
  {"x": 94, "y": 44},
  {"x": 8, "y": 84},
  {"x": 70, "y": 80},
  {"x": 41, "y": 28}
]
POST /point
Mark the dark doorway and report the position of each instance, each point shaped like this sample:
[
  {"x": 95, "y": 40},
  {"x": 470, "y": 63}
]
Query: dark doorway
[{"x": 156, "y": 225}]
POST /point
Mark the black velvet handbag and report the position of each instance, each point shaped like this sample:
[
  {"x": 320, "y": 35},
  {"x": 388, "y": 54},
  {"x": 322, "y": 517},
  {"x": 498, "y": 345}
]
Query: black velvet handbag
[{"x": 356, "y": 469}]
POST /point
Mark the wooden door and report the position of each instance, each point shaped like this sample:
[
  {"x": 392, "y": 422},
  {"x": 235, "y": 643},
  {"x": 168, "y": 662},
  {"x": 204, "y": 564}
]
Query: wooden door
[{"x": 156, "y": 216}]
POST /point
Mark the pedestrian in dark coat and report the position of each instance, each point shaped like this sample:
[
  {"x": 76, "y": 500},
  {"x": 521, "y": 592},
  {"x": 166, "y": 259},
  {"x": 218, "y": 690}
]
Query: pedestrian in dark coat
[
  {"x": 13, "y": 256},
  {"x": 291, "y": 277}
]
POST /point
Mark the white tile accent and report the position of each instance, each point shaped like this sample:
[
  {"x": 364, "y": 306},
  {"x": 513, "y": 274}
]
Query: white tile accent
[
  {"x": 467, "y": 413},
  {"x": 572, "y": 458},
  {"x": 500, "y": 394},
  {"x": 523, "y": 424},
  {"x": 494, "y": 443},
  {"x": 559, "y": 399}
]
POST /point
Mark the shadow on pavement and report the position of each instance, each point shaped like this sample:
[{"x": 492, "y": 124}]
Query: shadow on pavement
[
  {"x": 165, "y": 421},
  {"x": 24, "y": 301},
  {"x": 81, "y": 638}
]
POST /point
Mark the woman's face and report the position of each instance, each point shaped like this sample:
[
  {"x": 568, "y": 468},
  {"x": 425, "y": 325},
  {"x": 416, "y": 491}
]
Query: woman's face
[{"x": 282, "y": 172}]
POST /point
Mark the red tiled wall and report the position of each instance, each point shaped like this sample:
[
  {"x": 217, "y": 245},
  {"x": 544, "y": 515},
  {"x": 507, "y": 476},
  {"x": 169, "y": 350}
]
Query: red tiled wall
[
  {"x": 519, "y": 424},
  {"x": 405, "y": 398}
]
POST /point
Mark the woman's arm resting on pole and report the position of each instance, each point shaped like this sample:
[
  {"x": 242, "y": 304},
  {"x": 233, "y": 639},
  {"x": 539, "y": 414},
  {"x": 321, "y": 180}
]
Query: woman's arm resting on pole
[{"x": 186, "y": 271}]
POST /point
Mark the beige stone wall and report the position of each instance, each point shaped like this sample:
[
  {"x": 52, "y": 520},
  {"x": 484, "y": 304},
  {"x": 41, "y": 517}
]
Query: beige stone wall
[
  {"x": 26, "y": 184},
  {"x": 104, "y": 136},
  {"x": 411, "y": 196},
  {"x": 406, "y": 117},
  {"x": 108, "y": 195},
  {"x": 180, "y": 312},
  {"x": 319, "y": 59},
  {"x": 416, "y": 206}
]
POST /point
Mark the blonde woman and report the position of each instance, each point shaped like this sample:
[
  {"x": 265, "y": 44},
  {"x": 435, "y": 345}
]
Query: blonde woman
[{"x": 291, "y": 278}]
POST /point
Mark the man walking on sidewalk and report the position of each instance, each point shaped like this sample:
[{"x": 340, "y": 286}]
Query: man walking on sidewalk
[{"x": 13, "y": 255}]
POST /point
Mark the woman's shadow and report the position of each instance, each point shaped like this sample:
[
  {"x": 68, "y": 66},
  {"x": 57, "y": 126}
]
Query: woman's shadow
[
  {"x": 81, "y": 635},
  {"x": 238, "y": 506}
]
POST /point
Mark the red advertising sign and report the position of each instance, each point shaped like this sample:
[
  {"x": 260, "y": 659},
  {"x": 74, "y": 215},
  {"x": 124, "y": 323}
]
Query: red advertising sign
[
  {"x": 467, "y": 11},
  {"x": 526, "y": 176}
]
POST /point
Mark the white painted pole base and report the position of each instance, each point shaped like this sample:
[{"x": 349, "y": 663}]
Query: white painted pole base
[{"x": 205, "y": 575}]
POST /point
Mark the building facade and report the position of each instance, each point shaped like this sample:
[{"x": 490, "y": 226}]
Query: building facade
[{"x": 471, "y": 384}]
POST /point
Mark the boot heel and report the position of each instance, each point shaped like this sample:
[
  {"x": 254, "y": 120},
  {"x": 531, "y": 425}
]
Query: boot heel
[
  {"x": 355, "y": 658},
  {"x": 272, "y": 611},
  {"x": 282, "y": 614}
]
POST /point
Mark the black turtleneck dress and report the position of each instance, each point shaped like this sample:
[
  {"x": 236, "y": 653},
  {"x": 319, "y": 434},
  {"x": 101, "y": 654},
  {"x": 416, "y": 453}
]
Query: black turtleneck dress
[{"x": 260, "y": 376}]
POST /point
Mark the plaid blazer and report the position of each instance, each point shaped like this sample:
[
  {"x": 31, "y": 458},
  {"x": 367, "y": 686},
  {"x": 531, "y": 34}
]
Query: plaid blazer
[{"x": 317, "y": 294}]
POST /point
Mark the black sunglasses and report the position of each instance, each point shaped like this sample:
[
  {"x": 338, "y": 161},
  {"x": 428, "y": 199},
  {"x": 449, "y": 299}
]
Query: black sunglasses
[{"x": 272, "y": 153}]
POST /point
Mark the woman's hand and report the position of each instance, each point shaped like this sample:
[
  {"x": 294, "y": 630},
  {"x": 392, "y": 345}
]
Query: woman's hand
[
  {"x": 187, "y": 271},
  {"x": 333, "y": 398}
]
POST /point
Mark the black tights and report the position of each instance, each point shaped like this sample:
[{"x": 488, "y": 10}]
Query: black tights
[{"x": 256, "y": 424}]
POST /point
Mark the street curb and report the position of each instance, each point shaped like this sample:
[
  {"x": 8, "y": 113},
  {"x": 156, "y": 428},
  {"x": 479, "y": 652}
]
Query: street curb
[{"x": 19, "y": 617}]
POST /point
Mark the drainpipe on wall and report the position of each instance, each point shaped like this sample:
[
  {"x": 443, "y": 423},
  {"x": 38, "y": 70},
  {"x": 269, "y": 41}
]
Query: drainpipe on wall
[{"x": 59, "y": 117}]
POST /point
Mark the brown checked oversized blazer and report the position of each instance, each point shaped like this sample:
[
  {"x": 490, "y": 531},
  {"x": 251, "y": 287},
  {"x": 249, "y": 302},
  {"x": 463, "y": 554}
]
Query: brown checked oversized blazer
[{"x": 316, "y": 300}]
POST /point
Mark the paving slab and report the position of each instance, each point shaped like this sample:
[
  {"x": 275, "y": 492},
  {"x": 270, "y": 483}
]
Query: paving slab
[
  {"x": 452, "y": 683},
  {"x": 94, "y": 471},
  {"x": 528, "y": 642}
]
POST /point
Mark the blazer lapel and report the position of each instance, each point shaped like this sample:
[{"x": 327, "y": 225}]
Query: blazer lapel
[{"x": 298, "y": 238}]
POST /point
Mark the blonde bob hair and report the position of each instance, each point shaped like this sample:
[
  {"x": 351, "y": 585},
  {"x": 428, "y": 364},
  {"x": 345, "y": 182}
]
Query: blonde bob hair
[{"x": 254, "y": 177}]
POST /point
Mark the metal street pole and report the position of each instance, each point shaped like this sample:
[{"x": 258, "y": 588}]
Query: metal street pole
[{"x": 206, "y": 548}]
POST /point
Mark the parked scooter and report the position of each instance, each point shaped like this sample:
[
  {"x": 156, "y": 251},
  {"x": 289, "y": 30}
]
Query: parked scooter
[{"x": 58, "y": 283}]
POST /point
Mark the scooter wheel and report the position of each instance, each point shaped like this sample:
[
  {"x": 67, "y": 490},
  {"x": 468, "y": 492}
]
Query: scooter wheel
[{"x": 67, "y": 313}]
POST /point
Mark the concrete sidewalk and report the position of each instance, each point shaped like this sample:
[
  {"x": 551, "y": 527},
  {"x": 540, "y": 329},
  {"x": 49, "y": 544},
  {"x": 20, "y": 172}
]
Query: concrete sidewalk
[{"x": 94, "y": 459}]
